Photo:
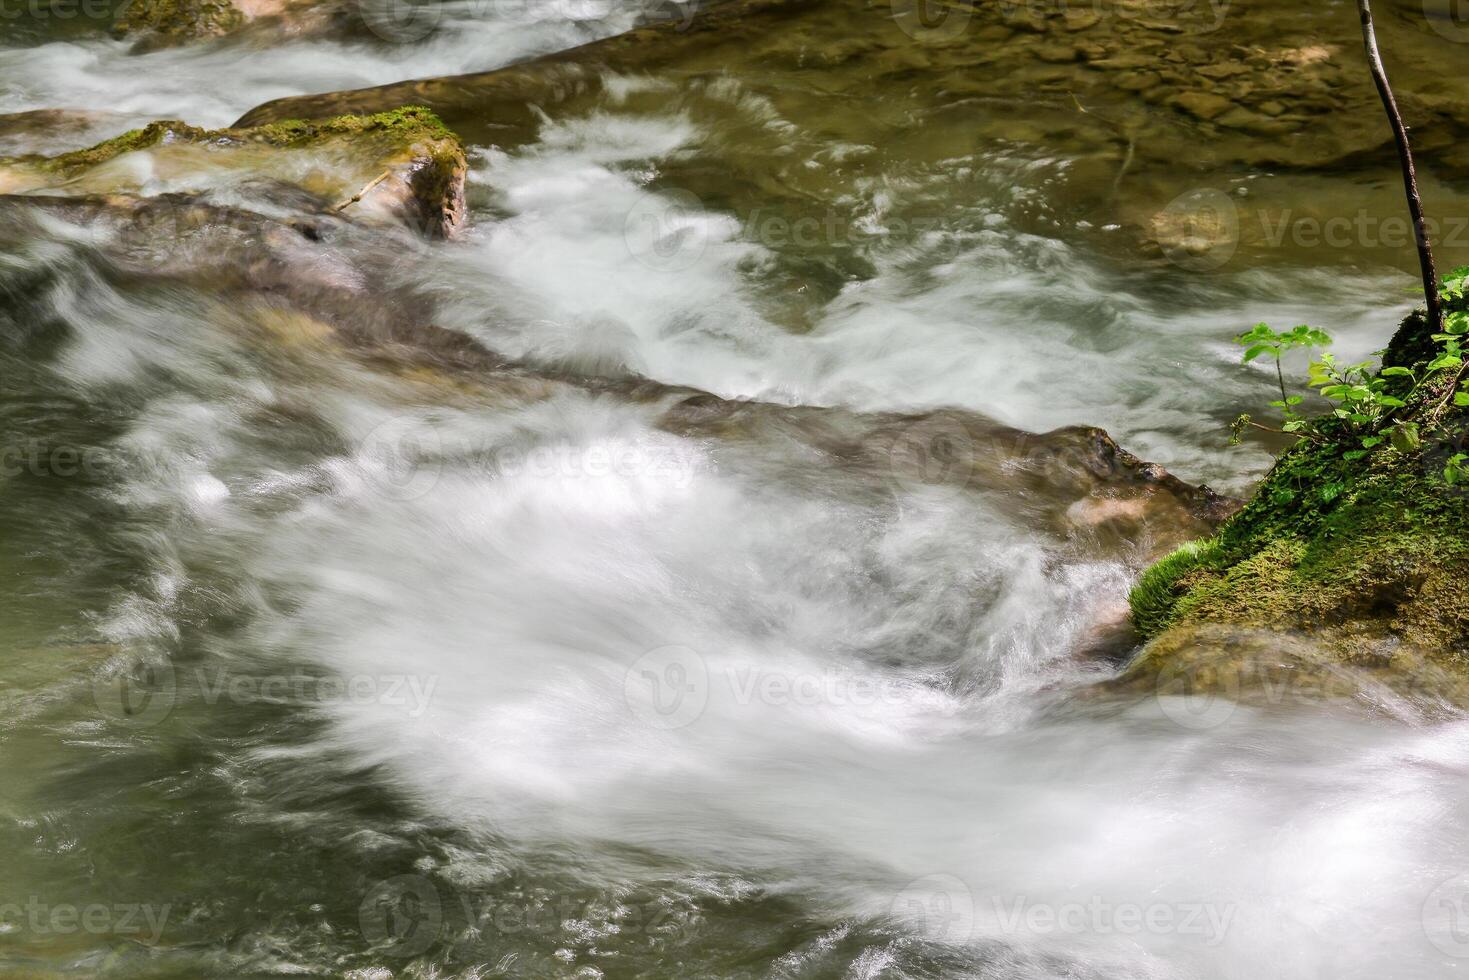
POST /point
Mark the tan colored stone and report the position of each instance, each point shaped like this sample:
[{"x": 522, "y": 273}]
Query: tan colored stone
[{"x": 1203, "y": 105}]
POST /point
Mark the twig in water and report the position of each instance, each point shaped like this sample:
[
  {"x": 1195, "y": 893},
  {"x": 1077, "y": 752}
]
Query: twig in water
[{"x": 359, "y": 195}]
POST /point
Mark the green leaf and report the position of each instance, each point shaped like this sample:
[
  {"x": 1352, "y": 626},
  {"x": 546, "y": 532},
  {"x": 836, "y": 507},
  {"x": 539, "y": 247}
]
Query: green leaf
[
  {"x": 1405, "y": 437},
  {"x": 1396, "y": 372},
  {"x": 1390, "y": 402},
  {"x": 1255, "y": 352},
  {"x": 1461, "y": 398}
]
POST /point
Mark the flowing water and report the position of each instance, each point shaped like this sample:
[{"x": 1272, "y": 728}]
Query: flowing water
[{"x": 330, "y": 664}]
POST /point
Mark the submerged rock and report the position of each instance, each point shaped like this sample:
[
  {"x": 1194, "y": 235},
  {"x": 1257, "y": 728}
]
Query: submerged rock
[
  {"x": 1202, "y": 671},
  {"x": 401, "y": 167},
  {"x": 1217, "y": 84},
  {"x": 316, "y": 286}
]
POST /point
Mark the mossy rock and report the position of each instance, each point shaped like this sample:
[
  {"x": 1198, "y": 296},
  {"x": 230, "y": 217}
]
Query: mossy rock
[
  {"x": 179, "y": 19},
  {"x": 163, "y": 23},
  {"x": 1201, "y": 671},
  {"x": 1367, "y": 553},
  {"x": 1358, "y": 553},
  {"x": 403, "y": 165}
]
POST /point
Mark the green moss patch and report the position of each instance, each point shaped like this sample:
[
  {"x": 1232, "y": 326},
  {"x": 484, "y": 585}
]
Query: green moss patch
[
  {"x": 1155, "y": 597},
  {"x": 384, "y": 131},
  {"x": 182, "y": 19},
  {"x": 1363, "y": 551}
]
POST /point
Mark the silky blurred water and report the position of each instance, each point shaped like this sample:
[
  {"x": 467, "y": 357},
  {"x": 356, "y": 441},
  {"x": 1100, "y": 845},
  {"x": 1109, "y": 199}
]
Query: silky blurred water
[{"x": 334, "y": 665}]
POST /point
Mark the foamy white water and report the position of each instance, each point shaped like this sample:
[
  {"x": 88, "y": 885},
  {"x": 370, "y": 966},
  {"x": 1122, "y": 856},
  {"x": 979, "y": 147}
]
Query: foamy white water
[
  {"x": 215, "y": 83},
  {"x": 824, "y": 722}
]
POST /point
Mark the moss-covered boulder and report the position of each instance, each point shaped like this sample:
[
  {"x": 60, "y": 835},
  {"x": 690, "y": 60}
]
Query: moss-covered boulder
[
  {"x": 1366, "y": 551},
  {"x": 401, "y": 167},
  {"x": 161, "y": 23}
]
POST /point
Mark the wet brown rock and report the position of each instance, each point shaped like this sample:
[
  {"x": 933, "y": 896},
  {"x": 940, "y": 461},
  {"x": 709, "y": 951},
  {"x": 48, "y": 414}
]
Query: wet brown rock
[
  {"x": 160, "y": 23},
  {"x": 1205, "y": 670},
  {"x": 402, "y": 168},
  {"x": 1254, "y": 122},
  {"x": 1202, "y": 105},
  {"x": 1222, "y": 70},
  {"x": 1081, "y": 20},
  {"x": 1057, "y": 54},
  {"x": 1138, "y": 81}
]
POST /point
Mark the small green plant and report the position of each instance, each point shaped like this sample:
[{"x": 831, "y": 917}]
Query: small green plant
[
  {"x": 1261, "y": 339},
  {"x": 1456, "y": 469},
  {"x": 1367, "y": 401}
]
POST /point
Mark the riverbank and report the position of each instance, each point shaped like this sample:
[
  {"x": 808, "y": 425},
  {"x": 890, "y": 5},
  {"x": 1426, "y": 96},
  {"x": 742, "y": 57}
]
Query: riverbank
[{"x": 1357, "y": 540}]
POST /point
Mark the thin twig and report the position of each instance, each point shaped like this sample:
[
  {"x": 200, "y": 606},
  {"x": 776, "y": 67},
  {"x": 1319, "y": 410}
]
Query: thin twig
[
  {"x": 359, "y": 195},
  {"x": 1410, "y": 177},
  {"x": 1449, "y": 393},
  {"x": 1303, "y": 434}
]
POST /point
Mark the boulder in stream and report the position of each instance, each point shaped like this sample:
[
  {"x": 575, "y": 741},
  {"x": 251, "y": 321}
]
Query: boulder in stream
[
  {"x": 1364, "y": 551},
  {"x": 161, "y": 23},
  {"x": 401, "y": 167}
]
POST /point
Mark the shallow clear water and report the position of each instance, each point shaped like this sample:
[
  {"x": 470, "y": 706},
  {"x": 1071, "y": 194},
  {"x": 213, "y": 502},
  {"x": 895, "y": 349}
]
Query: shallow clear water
[{"x": 322, "y": 663}]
